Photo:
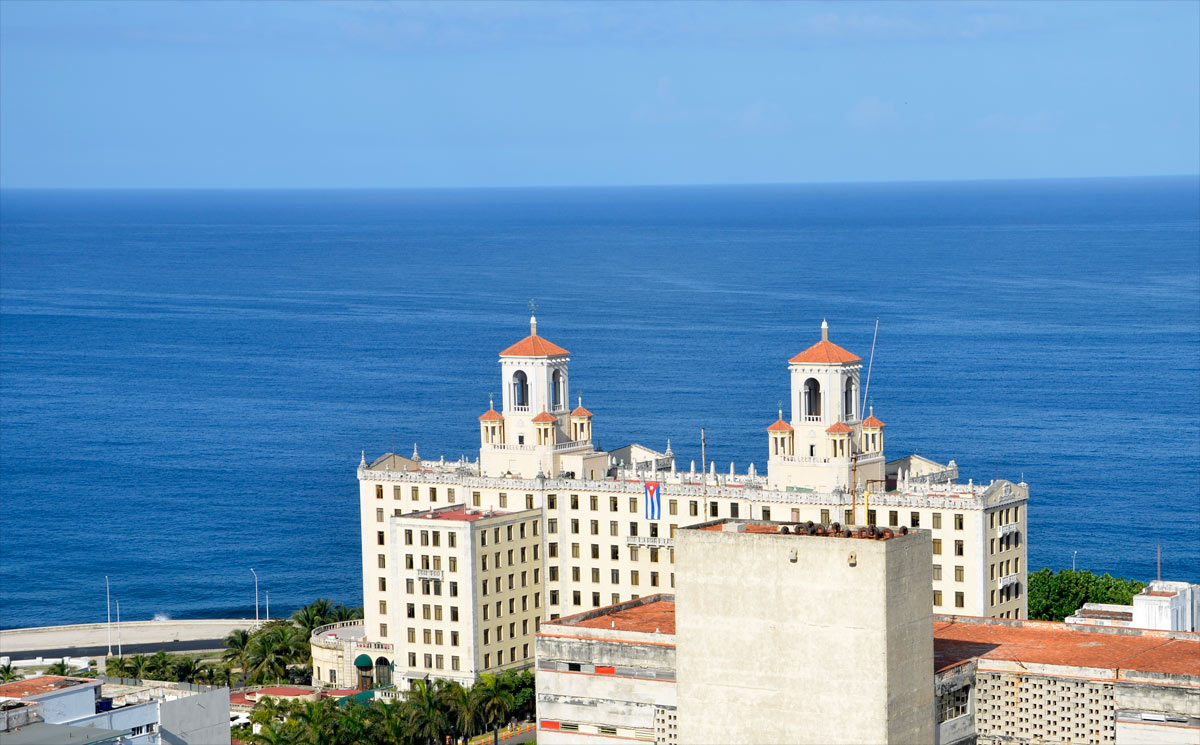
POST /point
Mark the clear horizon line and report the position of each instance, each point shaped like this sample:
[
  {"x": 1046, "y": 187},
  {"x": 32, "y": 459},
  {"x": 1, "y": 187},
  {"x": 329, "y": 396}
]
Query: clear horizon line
[{"x": 1013, "y": 179}]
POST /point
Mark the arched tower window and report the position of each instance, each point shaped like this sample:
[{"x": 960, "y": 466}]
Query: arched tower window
[
  {"x": 848, "y": 399},
  {"x": 520, "y": 389},
  {"x": 556, "y": 386},
  {"x": 812, "y": 397}
]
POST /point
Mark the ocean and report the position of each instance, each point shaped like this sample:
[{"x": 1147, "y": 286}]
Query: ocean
[{"x": 187, "y": 378}]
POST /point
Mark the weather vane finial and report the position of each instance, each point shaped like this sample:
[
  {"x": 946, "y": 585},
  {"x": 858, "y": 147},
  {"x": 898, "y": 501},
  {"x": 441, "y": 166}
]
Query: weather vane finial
[
  {"x": 532, "y": 306},
  {"x": 532, "y": 317}
]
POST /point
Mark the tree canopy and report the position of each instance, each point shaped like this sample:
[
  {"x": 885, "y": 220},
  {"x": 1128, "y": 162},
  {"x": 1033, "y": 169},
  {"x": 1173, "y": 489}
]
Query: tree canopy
[{"x": 1054, "y": 596}]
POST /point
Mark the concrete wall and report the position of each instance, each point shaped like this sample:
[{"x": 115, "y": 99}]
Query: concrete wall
[
  {"x": 129, "y": 718},
  {"x": 199, "y": 719},
  {"x": 65, "y": 705},
  {"x": 803, "y": 639}
]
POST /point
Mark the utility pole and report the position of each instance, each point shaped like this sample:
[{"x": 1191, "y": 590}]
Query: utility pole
[
  {"x": 108, "y": 606},
  {"x": 255, "y": 595}
]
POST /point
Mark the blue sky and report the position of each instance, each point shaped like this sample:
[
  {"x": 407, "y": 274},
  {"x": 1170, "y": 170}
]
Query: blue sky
[{"x": 368, "y": 94}]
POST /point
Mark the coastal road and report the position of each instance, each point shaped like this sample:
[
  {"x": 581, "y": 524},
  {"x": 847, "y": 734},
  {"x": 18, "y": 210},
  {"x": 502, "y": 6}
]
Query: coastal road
[{"x": 137, "y": 637}]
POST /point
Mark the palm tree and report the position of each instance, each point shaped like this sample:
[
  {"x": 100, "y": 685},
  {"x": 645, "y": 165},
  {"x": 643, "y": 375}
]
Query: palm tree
[
  {"x": 462, "y": 711},
  {"x": 159, "y": 666},
  {"x": 313, "y": 615},
  {"x": 187, "y": 669},
  {"x": 137, "y": 666},
  {"x": 391, "y": 721},
  {"x": 318, "y": 721},
  {"x": 272, "y": 649},
  {"x": 267, "y": 710},
  {"x": 237, "y": 642},
  {"x": 114, "y": 667},
  {"x": 59, "y": 668},
  {"x": 494, "y": 703},
  {"x": 427, "y": 719},
  {"x": 8, "y": 674}
]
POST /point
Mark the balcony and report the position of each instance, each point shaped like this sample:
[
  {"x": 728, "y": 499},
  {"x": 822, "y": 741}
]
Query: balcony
[
  {"x": 1009, "y": 529},
  {"x": 519, "y": 409},
  {"x": 574, "y": 444},
  {"x": 811, "y": 418},
  {"x": 1009, "y": 580},
  {"x": 337, "y": 635},
  {"x": 651, "y": 541},
  {"x": 429, "y": 574}
]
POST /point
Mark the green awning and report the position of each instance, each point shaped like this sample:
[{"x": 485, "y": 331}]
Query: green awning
[{"x": 363, "y": 662}]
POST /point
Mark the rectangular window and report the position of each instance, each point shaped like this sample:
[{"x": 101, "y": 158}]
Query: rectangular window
[
  {"x": 633, "y": 529},
  {"x": 574, "y": 501},
  {"x": 958, "y": 548},
  {"x": 959, "y": 600},
  {"x": 395, "y": 492},
  {"x": 453, "y": 589},
  {"x": 574, "y": 526},
  {"x": 595, "y": 600},
  {"x": 958, "y": 574},
  {"x": 766, "y": 516},
  {"x": 454, "y": 613},
  {"x": 433, "y": 494},
  {"x": 712, "y": 509},
  {"x": 654, "y": 554},
  {"x": 937, "y": 572},
  {"x": 412, "y": 635},
  {"x": 382, "y": 562},
  {"x": 379, "y": 491},
  {"x": 893, "y": 518},
  {"x": 551, "y": 502},
  {"x": 553, "y": 552},
  {"x": 992, "y": 520},
  {"x": 614, "y": 552},
  {"x": 958, "y": 521},
  {"x": 450, "y": 494},
  {"x": 612, "y": 504},
  {"x": 427, "y": 635},
  {"x": 870, "y": 517},
  {"x": 383, "y": 607},
  {"x": 574, "y": 550},
  {"x": 825, "y": 516},
  {"x": 379, "y": 514},
  {"x": 633, "y": 505},
  {"x": 733, "y": 509},
  {"x": 937, "y": 546},
  {"x": 574, "y": 574},
  {"x": 993, "y": 597},
  {"x": 615, "y": 576},
  {"x": 437, "y": 538},
  {"x": 633, "y": 553},
  {"x": 654, "y": 579},
  {"x": 552, "y": 525},
  {"x": 595, "y": 527},
  {"x": 553, "y": 576},
  {"x": 416, "y": 493},
  {"x": 408, "y": 538},
  {"x": 575, "y": 598},
  {"x": 633, "y": 577},
  {"x": 453, "y": 638},
  {"x": 937, "y": 521},
  {"x": 848, "y": 517},
  {"x": 937, "y": 598},
  {"x": 454, "y": 663},
  {"x": 914, "y": 520},
  {"x": 673, "y": 507},
  {"x": 694, "y": 508},
  {"x": 383, "y": 629},
  {"x": 529, "y": 501},
  {"x": 382, "y": 584},
  {"x": 594, "y": 502},
  {"x": 503, "y": 499},
  {"x": 595, "y": 550}
]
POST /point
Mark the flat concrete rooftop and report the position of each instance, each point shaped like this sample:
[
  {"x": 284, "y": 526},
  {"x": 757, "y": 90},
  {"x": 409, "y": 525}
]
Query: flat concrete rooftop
[
  {"x": 458, "y": 512},
  {"x": 648, "y": 615},
  {"x": 41, "y": 684}
]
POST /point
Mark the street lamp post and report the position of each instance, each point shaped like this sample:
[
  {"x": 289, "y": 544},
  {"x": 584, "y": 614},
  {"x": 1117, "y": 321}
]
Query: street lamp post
[
  {"x": 255, "y": 595},
  {"x": 268, "y": 606},
  {"x": 108, "y": 607},
  {"x": 1073, "y": 553},
  {"x": 119, "y": 629}
]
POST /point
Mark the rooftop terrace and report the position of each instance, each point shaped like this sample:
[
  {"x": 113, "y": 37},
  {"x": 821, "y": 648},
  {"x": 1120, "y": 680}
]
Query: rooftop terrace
[
  {"x": 649, "y": 615},
  {"x": 833, "y": 530},
  {"x": 39, "y": 685},
  {"x": 459, "y": 512}
]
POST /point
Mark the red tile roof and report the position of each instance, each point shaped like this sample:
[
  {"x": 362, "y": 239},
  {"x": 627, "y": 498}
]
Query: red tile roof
[
  {"x": 580, "y": 411},
  {"x": 658, "y": 615},
  {"x": 1051, "y": 643},
  {"x": 491, "y": 415},
  {"x": 839, "y": 429},
  {"x": 534, "y": 346},
  {"x": 780, "y": 426},
  {"x": 40, "y": 684},
  {"x": 872, "y": 421},
  {"x": 281, "y": 691},
  {"x": 825, "y": 353},
  {"x": 545, "y": 416}
]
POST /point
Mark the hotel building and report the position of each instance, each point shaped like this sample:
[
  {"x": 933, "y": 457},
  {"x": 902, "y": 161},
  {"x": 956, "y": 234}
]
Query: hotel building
[{"x": 606, "y": 531}]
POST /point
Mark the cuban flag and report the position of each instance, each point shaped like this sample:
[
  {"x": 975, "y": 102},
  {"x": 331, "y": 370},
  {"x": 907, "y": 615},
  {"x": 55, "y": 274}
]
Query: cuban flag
[{"x": 653, "y": 505}]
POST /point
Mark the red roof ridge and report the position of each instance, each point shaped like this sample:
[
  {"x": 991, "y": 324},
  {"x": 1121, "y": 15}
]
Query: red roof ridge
[
  {"x": 534, "y": 346},
  {"x": 580, "y": 411},
  {"x": 826, "y": 352},
  {"x": 491, "y": 415},
  {"x": 872, "y": 421},
  {"x": 545, "y": 416},
  {"x": 839, "y": 428},
  {"x": 780, "y": 426}
]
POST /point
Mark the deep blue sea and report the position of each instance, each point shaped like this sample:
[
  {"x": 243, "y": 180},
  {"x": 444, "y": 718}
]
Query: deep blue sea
[{"x": 187, "y": 378}]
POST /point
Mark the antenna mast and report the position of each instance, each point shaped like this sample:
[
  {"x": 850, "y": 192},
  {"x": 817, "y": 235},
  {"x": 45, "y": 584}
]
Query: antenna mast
[
  {"x": 870, "y": 364},
  {"x": 703, "y": 463}
]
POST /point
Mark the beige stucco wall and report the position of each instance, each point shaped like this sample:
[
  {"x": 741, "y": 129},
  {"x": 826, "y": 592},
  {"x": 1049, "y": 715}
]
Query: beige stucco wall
[{"x": 817, "y": 650}]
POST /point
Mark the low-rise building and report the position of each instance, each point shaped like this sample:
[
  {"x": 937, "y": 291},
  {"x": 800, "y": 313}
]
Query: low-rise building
[
  {"x": 609, "y": 672},
  {"x": 1166, "y": 606},
  {"x": 141, "y": 712}
]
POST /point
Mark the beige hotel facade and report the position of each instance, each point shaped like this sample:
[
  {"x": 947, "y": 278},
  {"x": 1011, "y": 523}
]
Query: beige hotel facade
[{"x": 544, "y": 525}]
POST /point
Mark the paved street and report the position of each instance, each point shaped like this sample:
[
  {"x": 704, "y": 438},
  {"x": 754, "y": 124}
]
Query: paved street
[{"x": 136, "y": 637}]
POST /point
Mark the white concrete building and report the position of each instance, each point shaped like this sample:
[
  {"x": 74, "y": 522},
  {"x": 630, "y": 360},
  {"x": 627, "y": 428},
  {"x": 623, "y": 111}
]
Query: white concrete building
[
  {"x": 144, "y": 712},
  {"x": 608, "y": 532},
  {"x": 1166, "y": 606}
]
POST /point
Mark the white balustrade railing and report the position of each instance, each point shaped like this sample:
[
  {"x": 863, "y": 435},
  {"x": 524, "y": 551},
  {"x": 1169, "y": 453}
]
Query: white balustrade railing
[
  {"x": 1009, "y": 579},
  {"x": 572, "y": 445}
]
